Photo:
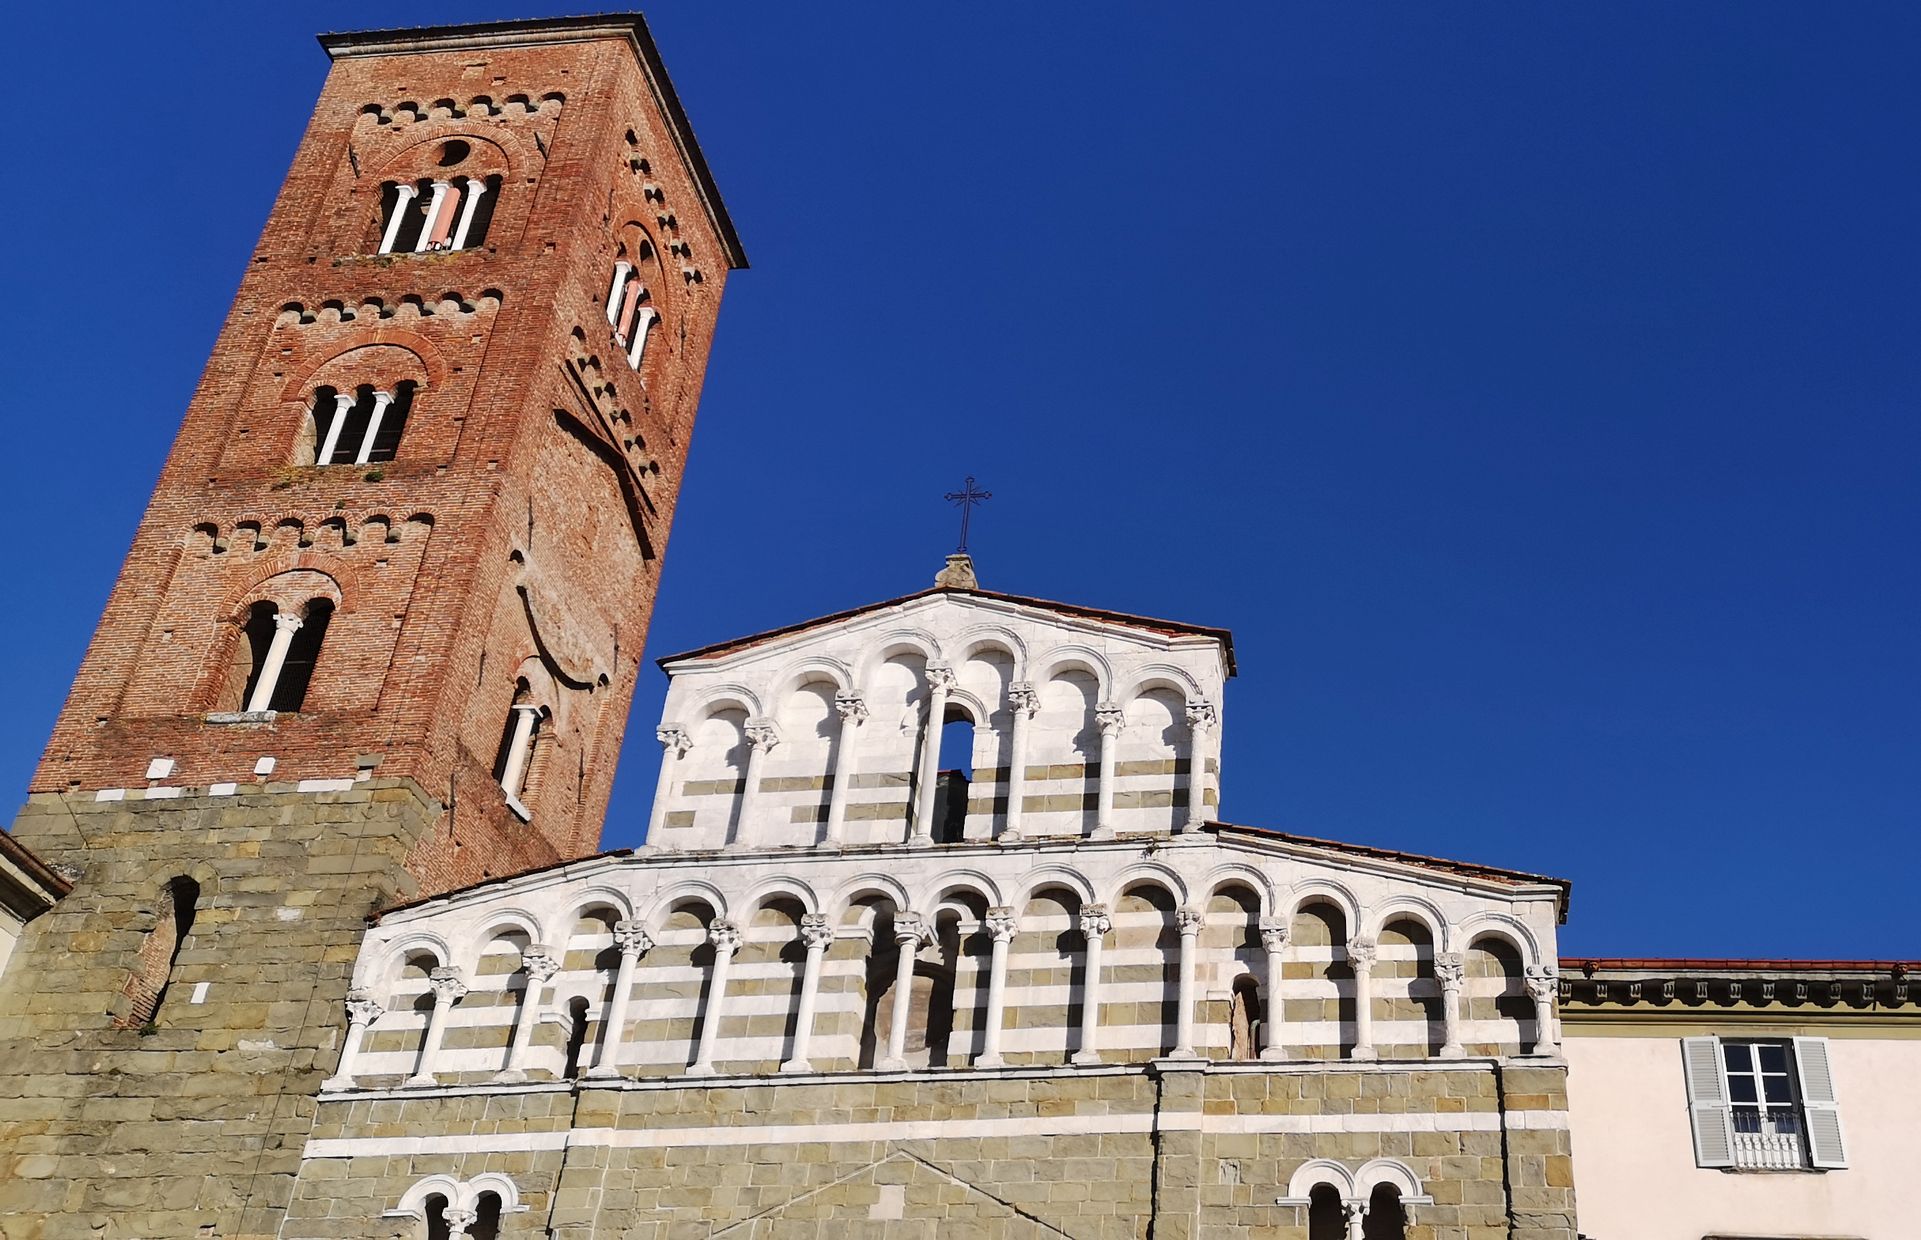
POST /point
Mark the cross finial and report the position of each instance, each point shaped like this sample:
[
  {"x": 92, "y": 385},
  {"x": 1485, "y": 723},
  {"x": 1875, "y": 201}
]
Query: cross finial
[{"x": 968, "y": 496}]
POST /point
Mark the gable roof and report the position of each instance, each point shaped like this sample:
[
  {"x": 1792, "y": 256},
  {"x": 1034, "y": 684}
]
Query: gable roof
[
  {"x": 1444, "y": 865},
  {"x": 1146, "y": 624}
]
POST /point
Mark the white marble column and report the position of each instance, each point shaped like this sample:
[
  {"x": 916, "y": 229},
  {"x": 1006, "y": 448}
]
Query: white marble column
[
  {"x": 285, "y": 625},
  {"x": 1274, "y": 942},
  {"x": 1095, "y": 923},
  {"x": 1111, "y": 718},
  {"x": 643, "y": 327},
  {"x": 403, "y": 198},
  {"x": 362, "y": 1011},
  {"x": 634, "y": 942},
  {"x": 1542, "y": 985},
  {"x": 520, "y": 746},
  {"x": 330, "y": 440},
  {"x": 1449, "y": 972},
  {"x": 817, "y": 935},
  {"x": 674, "y": 744},
  {"x": 458, "y": 1221},
  {"x": 725, "y": 936},
  {"x": 1361, "y": 954},
  {"x": 1001, "y": 925},
  {"x": 1201, "y": 717},
  {"x": 449, "y": 988},
  {"x": 762, "y": 736},
  {"x": 1189, "y": 921},
  {"x": 476, "y": 190},
  {"x": 623, "y": 270},
  {"x": 940, "y": 681},
  {"x": 1025, "y": 703},
  {"x": 435, "y": 205},
  {"x": 538, "y": 963},
  {"x": 852, "y": 708},
  {"x": 1354, "y": 1213},
  {"x": 910, "y": 931},
  {"x": 381, "y": 401}
]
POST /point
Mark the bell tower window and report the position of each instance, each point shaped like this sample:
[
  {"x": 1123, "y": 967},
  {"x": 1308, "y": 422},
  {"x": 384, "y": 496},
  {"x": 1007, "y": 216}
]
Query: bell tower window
[
  {"x": 519, "y": 741},
  {"x": 437, "y": 213},
  {"x": 277, "y": 654},
  {"x": 360, "y": 427},
  {"x": 628, "y": 313}
]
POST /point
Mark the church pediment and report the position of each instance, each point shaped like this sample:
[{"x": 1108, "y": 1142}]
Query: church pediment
[{"x": 901, "y": 1195}]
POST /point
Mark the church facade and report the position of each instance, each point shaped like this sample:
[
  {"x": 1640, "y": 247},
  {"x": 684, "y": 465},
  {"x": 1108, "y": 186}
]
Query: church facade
[{"x": 938, "y": 928}]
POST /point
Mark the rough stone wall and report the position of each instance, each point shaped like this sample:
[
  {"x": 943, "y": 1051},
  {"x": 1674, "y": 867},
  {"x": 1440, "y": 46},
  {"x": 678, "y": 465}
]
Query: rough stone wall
[
  {"x": 523, "y": 517},
  {"x": 1166, "y": 1151},
  {"x": 194, "y": 1126}
]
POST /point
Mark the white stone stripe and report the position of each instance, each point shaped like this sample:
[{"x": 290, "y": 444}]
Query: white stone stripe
[{"x": 924, "y": 1130}]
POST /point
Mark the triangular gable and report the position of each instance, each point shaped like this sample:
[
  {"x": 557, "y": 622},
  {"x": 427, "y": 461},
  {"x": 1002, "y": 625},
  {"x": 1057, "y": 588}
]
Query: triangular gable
[{"x": 901, "y": 1190}]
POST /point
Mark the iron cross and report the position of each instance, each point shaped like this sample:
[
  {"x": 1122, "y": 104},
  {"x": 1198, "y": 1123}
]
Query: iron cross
[{"x": 968, "y": 496}]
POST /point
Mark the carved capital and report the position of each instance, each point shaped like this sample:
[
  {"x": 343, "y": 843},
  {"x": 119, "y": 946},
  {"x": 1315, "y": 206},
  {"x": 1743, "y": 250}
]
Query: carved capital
[
  {"x": 1362, "y": 952},
  {"x": 458, "y": 1220},
  {"x": 1274, "y": 933},
  {"x": 1542, "y": 983},
  {"x": 1450, "y": 969},
  {"x": 724, "y": 935},
  {"x": 539, "y": 963},
  {"x": 911, "y": 928},
  {"x": 1201, "y": 716},
  {"x": 762, "y": 734},
  {"x": 940, "y": 677},
  {"x": 286, "y": 622},
  {"x": 1023, "y": 698},
  {"x": 1110, "y": 717},
  {"x": 814, "y": 930},
  {"x": 1001, "y": 924},
  {"x": 632, "y": 938},
  {"x": 1190, "y": 921},
  {"x": 674, "y": 739},
  {"x": 1096, "y": 921},
  {"x": 851, "y": 705},
  {"x": 448, "y": 986},
  {"x": 363, "y": 1008}
]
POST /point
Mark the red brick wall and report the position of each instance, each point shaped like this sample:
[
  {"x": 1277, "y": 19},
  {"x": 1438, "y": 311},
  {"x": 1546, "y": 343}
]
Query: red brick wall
[{"x": 520, "y": 526}]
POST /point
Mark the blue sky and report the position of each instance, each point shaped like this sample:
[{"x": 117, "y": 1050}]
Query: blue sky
[{"x": 1532, "y": 389}]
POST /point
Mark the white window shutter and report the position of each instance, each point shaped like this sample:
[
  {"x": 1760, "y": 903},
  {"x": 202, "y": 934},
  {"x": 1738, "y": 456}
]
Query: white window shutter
[
  {"x": 1819, "y": 1104},
  {"x": 1708, "y": 1102}
]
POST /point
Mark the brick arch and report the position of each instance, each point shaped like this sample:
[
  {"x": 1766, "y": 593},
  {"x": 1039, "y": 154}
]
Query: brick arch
[{"x": 431, "y": 367}]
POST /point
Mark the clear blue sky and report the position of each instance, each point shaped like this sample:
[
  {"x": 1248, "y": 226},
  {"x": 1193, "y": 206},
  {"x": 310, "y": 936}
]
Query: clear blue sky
[{"x": 1532, "y": 389}]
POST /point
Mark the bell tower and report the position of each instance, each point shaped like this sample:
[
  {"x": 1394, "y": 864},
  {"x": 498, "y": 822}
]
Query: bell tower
[{"x": 379, "y": 627}]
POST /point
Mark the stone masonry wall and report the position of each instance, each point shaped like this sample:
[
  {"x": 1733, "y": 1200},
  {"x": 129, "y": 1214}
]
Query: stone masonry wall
[
  {"x": 194, "y": 1125},
  {"x": 1168, "y": 1151}
]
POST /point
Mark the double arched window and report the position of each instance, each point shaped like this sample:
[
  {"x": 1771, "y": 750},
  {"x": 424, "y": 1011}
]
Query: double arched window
[
  {"x": 274, "y": 660},
  {"x": 361, "y": 426},
  {"x": 520, "y": 744},
  {"x": 630, "y": 309}
]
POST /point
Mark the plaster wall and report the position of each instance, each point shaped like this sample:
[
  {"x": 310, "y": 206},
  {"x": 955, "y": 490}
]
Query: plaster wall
[{"x": 1648, "y": 1187}]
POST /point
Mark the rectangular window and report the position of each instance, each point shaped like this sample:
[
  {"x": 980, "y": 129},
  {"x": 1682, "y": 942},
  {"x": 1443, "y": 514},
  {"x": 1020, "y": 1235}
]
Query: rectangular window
[{"x": 1762, "y": 1104}]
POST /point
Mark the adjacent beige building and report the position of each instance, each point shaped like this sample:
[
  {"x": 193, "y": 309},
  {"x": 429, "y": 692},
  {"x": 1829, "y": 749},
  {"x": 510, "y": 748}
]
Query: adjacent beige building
[{"x": 28, "y": 888}]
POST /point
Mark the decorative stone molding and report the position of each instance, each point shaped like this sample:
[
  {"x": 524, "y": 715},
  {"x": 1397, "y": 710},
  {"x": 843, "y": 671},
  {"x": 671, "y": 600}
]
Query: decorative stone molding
[
  {"x": 850, "y": 705},
  {"x": 674, "y": 739},
  {"x": 1111, "y": 717},
  {"x": 1274, "y": 933},
  {"x": 632, "y": 938},
  {"x": 724, "y": 935},
  {"x": 1450, "y": 969},
  {"x": 1362, "y": 952},
  {"x": 1095, "y": 921},
  {"x": 815, "y": 930},
  {"x": 448, "y": 985},
  {"x": 762, "y": 734},
  {"x": 363, "y": 1008},
  {"x": 1023, "y": 698},
  {"x": 912, "y": 928},
  {"x": 941, "y": 676},
  {"x": 1201, "y": 716},
  {"x": 1001, "y": 924},
  {"x": 1190, "y": 921}
]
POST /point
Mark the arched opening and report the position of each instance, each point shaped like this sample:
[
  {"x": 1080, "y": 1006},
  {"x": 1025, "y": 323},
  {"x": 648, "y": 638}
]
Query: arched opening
[
  {"x": 1326, "y": 1217},
  {"x": 152, "y": 974},
  {"x": 1244, "y": 1020},
  {"x": 956, "y": 774},
  {"x": 451, "y": 214},
  {"x": 1319, "y": 995},
  {"x": 1499, "y": 1014},
  {"x": 576, "y": 1037},
  {"x": 303, "y": 653},
  {"x": 1146, "y": 933},
  {"x": 486, "y": 1225},
  {"x": 519, "y": 739},
  {"x": 1409, "y": 1022},
  {"x": 1386, "y": 1218},
  {"x": 437, "y": 1228},
  {"x": 362, "y": 427},
  {"x": 250, "y": 655}
]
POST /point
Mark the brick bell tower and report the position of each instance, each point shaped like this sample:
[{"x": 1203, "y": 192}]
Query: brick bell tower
[{"x": 380, "y": 625}]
